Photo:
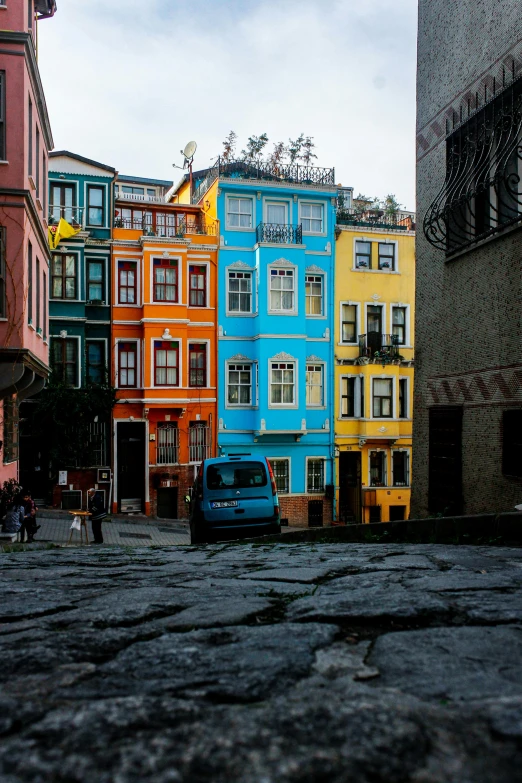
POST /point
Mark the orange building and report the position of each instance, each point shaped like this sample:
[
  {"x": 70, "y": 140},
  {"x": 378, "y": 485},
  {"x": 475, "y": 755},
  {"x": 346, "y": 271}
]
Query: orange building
[{"x": 164, "y": 327}]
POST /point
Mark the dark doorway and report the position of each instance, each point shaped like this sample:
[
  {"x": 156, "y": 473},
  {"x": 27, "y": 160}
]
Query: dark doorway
[
  {"x": 445, "y": 461},
  {"x": 350, "y": 487},
  {"x": 374, "y": 334},
  {"x": 130, "y": 453},
  {"x": 375, "y": 514},
  {"x": 167, "y": 503},
  {"x": 397, "y": 513},
  {"x": 315, "y": 513}
]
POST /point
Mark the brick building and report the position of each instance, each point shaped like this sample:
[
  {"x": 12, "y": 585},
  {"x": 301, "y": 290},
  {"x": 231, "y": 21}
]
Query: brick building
[{"x": 468, "y": 399}]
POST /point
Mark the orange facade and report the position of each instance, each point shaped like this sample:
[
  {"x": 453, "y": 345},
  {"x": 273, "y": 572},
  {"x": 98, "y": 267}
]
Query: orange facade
[{"x": 164, "y": 349}]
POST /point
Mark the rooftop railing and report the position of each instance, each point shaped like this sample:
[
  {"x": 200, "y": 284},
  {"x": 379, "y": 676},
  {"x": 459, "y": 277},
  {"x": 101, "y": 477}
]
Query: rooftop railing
[
  {"x": 141, "y": 198},
  {"x": 376, "y": 218}
]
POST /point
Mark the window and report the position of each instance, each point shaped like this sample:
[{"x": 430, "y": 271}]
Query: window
[
  {"x": 166, "y": 224},
  {"x": 281, "y": 471},
  {"x": 64, "y": 360},
  {"x": 348, "y": 397},
  {"x": 363, "y": 254},
  {"x": 10, "y": 447},
  {"x": 3, "y": 152},
  {"x": 399, "y": 324},
  {"x": 282, "y": 383},
  {"x": 37, "y": 163},
  {"x": 165, "y": 280},
  {"x": 135, "y": 219},
  {"x": 29, "y": 283},
  {"x": 377, "y": 468},
  {"x": 197, "y": 286},
  {"x": 45, "y": 306},
  {"x": 276, "y": 213},
  {"x": 151, "y": 191},
  {"x": 314, "y": 385},
  {"x": 63, "y": 198},
  {"x": 349, "y": 323},
  {"x": 127, "y": 365},
  {"x": 382, "y": 398},
  {"x": 239, "y": 212},
  {"x": 127, "y": 293},
  {"x": 400, "y": 468},
  {"x": 3, "y": 303},
  {"x": 130, "y": 189},
  {"x": 282, "y": 290},
  {"x": 30, "y": 140},
  {"x": 315, "y": 475},
  {"x": 30, "y": 13},
  {"x": 403, "y": 398},
  {"x": 199, "y": 441},
  {"x": 63, "y": 276},
  {"x": 95, "y": 281},
  {"x": 167, "y": 445},
  {"x": 197, "y": 364},
  {"x": 314, "y": 294},
  {"x": 166, "y": 363},
  {"x": 95, "y": 360},
  {"x": 386, "y": 255},
  {"x": 239, "y": 292},
  {"x": 95, "y": 205},
  {"x": 38, "y": 298},
  {"x": 238, "y": 475},
  {"x": 239, "y": 384},
  {"x": 512, "y": 443},
  {"x": 312, "y": 218}
]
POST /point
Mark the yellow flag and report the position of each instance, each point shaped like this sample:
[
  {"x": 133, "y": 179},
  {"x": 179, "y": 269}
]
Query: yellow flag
[{"x": 63, "y": 230}]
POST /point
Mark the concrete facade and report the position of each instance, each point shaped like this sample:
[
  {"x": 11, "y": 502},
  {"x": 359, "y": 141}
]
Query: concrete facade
[{"x": 468, "y": 301}]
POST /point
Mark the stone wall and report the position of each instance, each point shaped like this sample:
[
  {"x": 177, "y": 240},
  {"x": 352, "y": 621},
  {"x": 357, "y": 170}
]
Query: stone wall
[{"x": 468, "y": 309}]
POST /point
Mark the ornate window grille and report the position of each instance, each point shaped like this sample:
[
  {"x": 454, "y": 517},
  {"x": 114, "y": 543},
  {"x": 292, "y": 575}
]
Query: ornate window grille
[
  {"x": 482, "y": 193},
  {"x": 168, "y": 444},
  {"x": 199, "y": 441}
]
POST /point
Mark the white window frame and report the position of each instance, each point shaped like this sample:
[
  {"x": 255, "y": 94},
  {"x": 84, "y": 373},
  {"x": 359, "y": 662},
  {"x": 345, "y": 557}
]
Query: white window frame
[
  {"x": 386, "y": 468},
  {"x": 374, "y": 255},
  {"x": 277, "y": 202},
  {"x": 238, "y": 313},
  {"x": 139, "y": 373},
  {"x": 106, "y": 348},
  {"x": 160, "y": 425},
  {"x": 394, "y": 400},
  {"x": 287, "y": 268},
  {"x": 322, "y": 276},
  {"x": 80, "y": 284},
  {"x": 289, "y": 461},
  {"x": 408, "y": 467},
  {"x": 227, "y": 212},
  {"x": 179, "y": 261},
  {"x": 139, "y": 267},
  {"x": 206, "y": 264},
  {"x": 408, "y": 380},
  {"x": 295, "y": 402},
  {"x": 322, "y": 365},
  {"x": 240, "y": 405},
  {"x": 180, "y": 384},
  {"x": 358, "y": 331},
  {"x": 316, "y": 459},
  {"x": 190, "y": 342},
  {"x": 104, "y": 261},
  {"x": 323, "y": 204},
  {"x": 79, "y": 366},
  {"x": 407, "y": 336},
  {"x": 383, "y": 319},
  {"x": 359, "y": 398},
  {"x": 355, "y": 265}
]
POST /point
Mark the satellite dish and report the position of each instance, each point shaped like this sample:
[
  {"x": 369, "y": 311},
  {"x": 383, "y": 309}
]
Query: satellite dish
[{"x": 190, "y": 150}]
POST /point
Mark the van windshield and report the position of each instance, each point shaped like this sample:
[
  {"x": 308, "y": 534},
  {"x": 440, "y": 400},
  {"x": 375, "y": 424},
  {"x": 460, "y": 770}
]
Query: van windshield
[{"x": 237, "y": 475}]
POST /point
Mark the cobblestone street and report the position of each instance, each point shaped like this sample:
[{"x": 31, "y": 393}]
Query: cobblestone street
[
  {"x": 57, "y": 531},
  {"x": 262, "y": 663}
]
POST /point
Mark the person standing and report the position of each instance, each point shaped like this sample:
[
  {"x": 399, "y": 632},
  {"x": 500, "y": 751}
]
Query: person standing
[
  {"x": 96, "y": 506},
  {"x": 29, "y": 525}
]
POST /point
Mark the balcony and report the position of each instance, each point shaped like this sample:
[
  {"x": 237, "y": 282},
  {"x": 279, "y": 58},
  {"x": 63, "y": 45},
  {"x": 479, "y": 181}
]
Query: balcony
[
  {"x": 73, "y": 215},
  {"x": 379, "y": 347},
  {"x": 280, "y": 233},
  {"x": 139, "y": 198},
  {"x": 377, "y": 218},
  {"x": 164, "y": 225}
]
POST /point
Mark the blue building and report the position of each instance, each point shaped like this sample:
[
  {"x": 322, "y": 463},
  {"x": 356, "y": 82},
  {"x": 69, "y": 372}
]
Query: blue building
[{"x": 275, "y": 323}]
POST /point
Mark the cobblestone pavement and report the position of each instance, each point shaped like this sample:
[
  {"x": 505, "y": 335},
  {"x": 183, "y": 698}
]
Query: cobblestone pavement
[
  {"x": 325, "y": 663},
  {"x": 57, "y": 531}
]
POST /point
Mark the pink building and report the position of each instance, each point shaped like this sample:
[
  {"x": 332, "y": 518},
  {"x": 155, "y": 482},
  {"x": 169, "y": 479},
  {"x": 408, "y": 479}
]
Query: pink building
[{"x": 25, "y": 139}]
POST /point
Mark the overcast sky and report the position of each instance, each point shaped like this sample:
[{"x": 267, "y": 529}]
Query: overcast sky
[{"x": 129, "y": 82}]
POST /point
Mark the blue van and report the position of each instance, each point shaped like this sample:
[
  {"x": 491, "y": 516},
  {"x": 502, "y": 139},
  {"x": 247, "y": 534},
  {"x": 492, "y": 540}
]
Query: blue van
[{"x": 234, "y": 497}]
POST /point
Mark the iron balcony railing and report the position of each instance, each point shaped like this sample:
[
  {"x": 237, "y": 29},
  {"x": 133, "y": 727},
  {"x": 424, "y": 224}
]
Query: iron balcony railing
[
  {"x": 399, "y": 221},
  {"x": 149, "y": 225},
  {"x": 375, "y": 345},
  {"x": 73, "y": 215},
  {"x": 280, "y": 233},
  {"x": 139, "y": 198},
  {"x": 265, "y": 170},
  {"x": 167, "y": 445}
]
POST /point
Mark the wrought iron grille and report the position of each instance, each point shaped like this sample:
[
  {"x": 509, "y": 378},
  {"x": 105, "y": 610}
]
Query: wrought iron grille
[
  {"x": 482, "y": 193},
  {"x": 199, "y": 441},
  {"x": 168, "y": 444},
  {"x": 246, "y": 169},
  {"x": 94, "y": 449},
  {"x": 280, "y": 233},
  {"x": 149, "y": 225},
  {"x": 375, "y": 345}
]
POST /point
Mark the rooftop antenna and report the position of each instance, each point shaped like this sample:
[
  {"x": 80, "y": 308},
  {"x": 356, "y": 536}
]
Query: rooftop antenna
[{"x": 188, "y": 153}]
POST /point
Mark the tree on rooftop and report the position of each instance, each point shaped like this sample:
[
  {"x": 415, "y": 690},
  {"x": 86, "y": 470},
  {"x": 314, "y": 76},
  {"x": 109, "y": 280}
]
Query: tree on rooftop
[
  {"x": 390, "y": 205},
  {"x": 277, "y": 156},
  {"x": 255, "y": 146},
  {"x": 307, "y": 153},
  {"x": 294, "y": 147},
  {"x": 229, "y": 146}
]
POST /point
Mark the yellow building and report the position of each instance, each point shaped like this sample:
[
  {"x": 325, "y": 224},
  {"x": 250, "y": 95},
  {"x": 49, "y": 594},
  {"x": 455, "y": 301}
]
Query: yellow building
[{"x": 374, "y": 341}]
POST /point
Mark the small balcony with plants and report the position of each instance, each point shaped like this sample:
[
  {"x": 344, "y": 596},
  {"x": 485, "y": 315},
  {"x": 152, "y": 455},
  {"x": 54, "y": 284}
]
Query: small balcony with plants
[
  {"x": 161, "y": 223},
  {"x": 379, "y": 348}
]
